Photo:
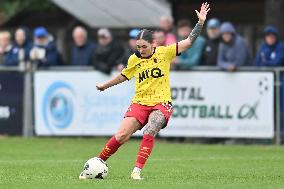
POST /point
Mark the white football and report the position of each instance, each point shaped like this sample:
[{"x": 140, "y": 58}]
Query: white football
[{"x": 96, "y": 168}]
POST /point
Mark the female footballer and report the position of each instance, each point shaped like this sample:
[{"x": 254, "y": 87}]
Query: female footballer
[{"x": 151, "y": 106}]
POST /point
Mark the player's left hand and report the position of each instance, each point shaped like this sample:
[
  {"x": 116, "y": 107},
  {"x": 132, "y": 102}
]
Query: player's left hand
[{"x": 203, "y": 12}]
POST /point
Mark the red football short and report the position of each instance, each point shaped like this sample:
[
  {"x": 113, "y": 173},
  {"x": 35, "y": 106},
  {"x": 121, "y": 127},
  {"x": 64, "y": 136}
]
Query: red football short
[{"x": 141, "y": 112}]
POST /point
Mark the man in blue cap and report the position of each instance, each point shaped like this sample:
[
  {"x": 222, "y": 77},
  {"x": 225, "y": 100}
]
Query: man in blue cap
[
  {"x": 130, "y": 49},
  {"x": 44, "y": 51},
  {"x": 132, "y": 41},
  {"x": 271, "y": 52},
  {"x": 213, "y": 39}
]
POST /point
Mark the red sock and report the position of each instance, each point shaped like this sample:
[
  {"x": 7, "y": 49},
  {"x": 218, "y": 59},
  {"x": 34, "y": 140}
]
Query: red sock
[
  {"x": 110, "y": 148},
  {"x": 145, "y": 149}
]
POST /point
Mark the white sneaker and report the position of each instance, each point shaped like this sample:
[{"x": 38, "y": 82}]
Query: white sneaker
[
  {"x": 82, "y": 176},
  {"x": 136, "y": 175}
]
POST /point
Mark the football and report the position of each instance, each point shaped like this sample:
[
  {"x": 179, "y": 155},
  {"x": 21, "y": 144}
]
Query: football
[{"x": 95, "y": 168}]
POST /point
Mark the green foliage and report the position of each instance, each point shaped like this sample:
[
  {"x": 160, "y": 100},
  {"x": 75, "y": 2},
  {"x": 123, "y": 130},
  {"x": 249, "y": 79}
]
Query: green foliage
[
  {"x": 56, "y": 163},
  {"x": 9, "y": 8}
]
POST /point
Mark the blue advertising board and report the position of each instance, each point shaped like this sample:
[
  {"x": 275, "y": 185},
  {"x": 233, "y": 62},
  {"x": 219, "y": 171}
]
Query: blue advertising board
[{"x": 11, "y": 102}]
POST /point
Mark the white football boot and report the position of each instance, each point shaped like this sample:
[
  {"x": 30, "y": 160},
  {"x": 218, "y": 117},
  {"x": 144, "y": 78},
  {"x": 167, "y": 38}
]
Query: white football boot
[{"x": 136, "y": 174}]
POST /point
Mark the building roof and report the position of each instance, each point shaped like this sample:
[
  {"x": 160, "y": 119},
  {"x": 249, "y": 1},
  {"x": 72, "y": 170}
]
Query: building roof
[{"x": 116, "y": 13}]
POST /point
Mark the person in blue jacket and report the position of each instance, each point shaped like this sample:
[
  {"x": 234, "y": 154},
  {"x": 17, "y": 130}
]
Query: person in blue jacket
[
  {"x": 83, "y": 50},
  {"x": 20, "y": 49},
  {"x": 6, "y": 47},
  {"x": 44, "y": 52},
  {"x": 233, "y": 51},
  {"x": 271, "y": 52}
]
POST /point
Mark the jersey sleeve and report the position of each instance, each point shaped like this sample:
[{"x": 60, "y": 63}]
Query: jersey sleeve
[
  {"x": 129, "y": 70},
  {"x": 171, "y": 51}
]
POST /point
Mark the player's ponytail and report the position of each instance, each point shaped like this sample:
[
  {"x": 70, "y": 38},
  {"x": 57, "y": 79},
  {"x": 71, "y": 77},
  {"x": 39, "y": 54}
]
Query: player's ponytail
[{"x": 146, "y": 35}]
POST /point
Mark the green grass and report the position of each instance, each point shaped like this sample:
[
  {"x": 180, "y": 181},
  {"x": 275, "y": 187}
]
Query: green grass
[{"x": 57, "y": 162}]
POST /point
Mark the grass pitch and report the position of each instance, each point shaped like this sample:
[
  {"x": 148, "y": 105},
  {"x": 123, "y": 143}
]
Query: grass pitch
[{"x": 57, "y": 162}]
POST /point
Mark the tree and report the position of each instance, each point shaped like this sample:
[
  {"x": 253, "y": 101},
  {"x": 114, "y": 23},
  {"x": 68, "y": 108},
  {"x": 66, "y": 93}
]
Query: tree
[{"x": 12, "y": 7}]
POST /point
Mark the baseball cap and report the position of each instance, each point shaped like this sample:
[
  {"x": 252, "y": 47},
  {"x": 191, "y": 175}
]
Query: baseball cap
[
  {"x": 40, "y": 32},
  {"x": 271, "y": 30},
  {"x": 133, "y": 33},
  {"x": 213, "y": 23},
  {"x": 104, "y": 32}
]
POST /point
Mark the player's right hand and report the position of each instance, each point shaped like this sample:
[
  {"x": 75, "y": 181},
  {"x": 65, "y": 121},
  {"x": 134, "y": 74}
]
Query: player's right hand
[
  {"x": 100, "y": 87},
  {"x": 203, "y": 12}
]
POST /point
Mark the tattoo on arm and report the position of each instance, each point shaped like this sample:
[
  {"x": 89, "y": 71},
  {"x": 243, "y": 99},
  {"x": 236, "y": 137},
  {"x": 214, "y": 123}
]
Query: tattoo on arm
[
  {"x": 195, "y": 32},
  {"x": 156, "y": 122}
]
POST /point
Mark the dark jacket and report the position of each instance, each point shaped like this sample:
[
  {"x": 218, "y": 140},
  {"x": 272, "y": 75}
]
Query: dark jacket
[
  {"x": 19, "y": 52},
  {"x": 270, "y": 55},
  {"x": 9, "y": 57},
  {"x": 52, "y": 56},
  {"x": 83, "y": 56},
  {"x": 128, "y": 51},
  {"x": 210, "y": 53},
  {"x": 236, "y": 52},
  {"x": 107, "y": 57},
  {"x": 13, "y": 57}
]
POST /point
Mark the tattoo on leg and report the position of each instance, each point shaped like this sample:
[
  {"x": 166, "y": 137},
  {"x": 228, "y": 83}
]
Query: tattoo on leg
[
  {"x": 156, "y": 122},
  {"x": 195, "y": 32}
]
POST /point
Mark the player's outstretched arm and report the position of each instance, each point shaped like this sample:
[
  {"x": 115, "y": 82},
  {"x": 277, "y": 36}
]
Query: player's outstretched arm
[
  {"x": 114, "y": 81},
  {"x": 187, "y": 43}
]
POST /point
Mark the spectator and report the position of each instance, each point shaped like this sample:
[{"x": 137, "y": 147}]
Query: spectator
[
  {"x": 271, "y": 52},
  {"x": 130, "y": 49},
  {"x": 108, "y": 53},
  {"x": 192, "y": 56},
  {"x": 212, "y": 42},
  {"x": 166, "y": 24},
  {"x": 6, "y": 47},
  {"x": 44, "y": 51},
  {"x": 1, "y": 49},
  {"x": 22, "y": 46},
  {"x": 83, "y": 50},
  {"x": 159, "y": 38},
  {"x": 233, "y": 50}
]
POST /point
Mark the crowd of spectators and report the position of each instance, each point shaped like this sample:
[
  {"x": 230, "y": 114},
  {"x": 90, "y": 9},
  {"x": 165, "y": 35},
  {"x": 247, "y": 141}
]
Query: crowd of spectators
[{"x": 221, "y": 46}]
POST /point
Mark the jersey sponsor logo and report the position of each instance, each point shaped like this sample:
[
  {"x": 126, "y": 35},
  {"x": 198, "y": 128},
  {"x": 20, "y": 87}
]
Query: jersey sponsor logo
[{"x": 154, "y": 73}]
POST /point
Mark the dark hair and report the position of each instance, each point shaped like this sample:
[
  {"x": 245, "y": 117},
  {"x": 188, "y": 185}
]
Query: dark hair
[
  {"x": 146, "y": 35},
  {"x": 183, "y": 23}
]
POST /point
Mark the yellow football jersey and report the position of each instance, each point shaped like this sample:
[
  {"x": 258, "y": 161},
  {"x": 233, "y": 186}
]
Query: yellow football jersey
[{"x": 152, "y": 82}]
